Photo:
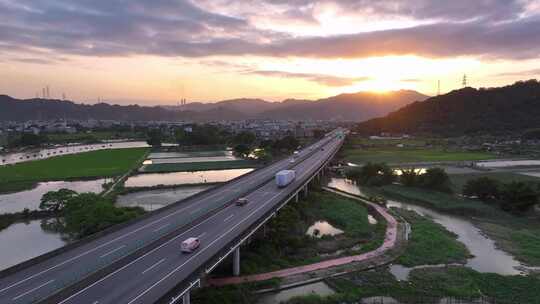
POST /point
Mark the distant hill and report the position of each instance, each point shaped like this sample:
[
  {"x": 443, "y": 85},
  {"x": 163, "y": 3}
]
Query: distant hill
[
  {"x": 355, "y": 107},
  {"x": 495, "y": 110}
]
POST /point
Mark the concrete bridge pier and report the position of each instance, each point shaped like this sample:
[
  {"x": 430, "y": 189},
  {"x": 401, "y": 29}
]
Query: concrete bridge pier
[
  {"x": 296, "y": 198},
  {"x": 306, "y": 190},
  {"x": 236, "y": 261},
  {"x": 186, "y": 297}
]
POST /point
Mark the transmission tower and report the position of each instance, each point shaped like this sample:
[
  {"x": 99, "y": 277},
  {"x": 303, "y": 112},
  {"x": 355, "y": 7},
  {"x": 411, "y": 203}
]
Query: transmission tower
[
  {"x": 438, "y": 87},
  {"x": 464, "y": 83}
]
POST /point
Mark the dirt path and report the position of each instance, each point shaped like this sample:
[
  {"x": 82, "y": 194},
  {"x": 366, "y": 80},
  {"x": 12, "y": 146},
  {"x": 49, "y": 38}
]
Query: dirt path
[{"x": 368, "y": 258}]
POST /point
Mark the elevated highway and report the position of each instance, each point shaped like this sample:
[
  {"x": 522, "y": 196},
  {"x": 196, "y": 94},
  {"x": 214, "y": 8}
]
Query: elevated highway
[{"x": 141, "y": 262}]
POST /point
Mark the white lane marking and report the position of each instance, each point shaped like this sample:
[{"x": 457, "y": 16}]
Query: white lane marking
[
  {"x": 202, "y": 234},
  {"x": 153, "y": 266},
  {"x": 228, "y": 217},
  {"x": 142, "y": 256},
  {"x": 196, "y": 210},
  {"x": 112, "y": 251},
  {"x": 161, "y": 227},
  {"x": 203, "y": 249},
  {"x": 32, "y": 290}
]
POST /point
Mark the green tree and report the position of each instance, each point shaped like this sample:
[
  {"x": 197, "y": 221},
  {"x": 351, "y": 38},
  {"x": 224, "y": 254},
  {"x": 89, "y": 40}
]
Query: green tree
[
  {"x": 484, "y": 188},
  {"x": 518, "y": 197},
  {"x": 409, "y": 177},
  {"x": 246, "y": 138},
  {"x": 241, "y": 150},
  {"x": 154, "y": 138},
  {"x": 88, "y": 213},
  {"x": 373, "y": 174},
  {"x": 56, "y": 200},
  {"x": 436, "y": 179}
]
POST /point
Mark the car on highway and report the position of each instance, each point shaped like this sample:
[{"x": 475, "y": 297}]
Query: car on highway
[
  {"x": 296, "y": 152},
  {"x": 190, "y": 244},
  {"x": 242, "y": 201},
  {"x": 292, "y": 161}
]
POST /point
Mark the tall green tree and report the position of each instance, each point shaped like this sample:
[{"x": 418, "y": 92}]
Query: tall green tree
[
  {"x": 56, "y": 200},
  {"x": 436, "y": 179},
  {"x": 155, "y": 138},
  {"x": 485, "y": 188},
  {"x": 518, "y": 197}
]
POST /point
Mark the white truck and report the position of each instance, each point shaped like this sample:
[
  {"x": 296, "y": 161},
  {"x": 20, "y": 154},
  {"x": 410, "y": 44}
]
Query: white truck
[{"x": 285, "y": 177}]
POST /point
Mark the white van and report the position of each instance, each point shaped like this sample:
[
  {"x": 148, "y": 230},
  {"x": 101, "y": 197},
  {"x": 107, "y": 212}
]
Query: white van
[{"x": 190, "y": 244}]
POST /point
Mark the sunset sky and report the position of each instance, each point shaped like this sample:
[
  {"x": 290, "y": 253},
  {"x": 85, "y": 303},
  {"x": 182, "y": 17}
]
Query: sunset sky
[{"x": 155, "y": 52}]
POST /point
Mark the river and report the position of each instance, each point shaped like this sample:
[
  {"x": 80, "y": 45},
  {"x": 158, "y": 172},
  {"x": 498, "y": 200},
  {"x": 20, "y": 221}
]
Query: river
[{"x": 487, "y": 258}]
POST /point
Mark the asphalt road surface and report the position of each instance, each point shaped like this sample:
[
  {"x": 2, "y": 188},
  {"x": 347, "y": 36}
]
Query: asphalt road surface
[{"x": 149, "y": 276}]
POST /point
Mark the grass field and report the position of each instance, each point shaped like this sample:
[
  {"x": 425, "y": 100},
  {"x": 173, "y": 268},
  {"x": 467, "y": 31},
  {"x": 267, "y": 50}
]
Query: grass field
[
  {"x": 199, "y": 166},
  {"x": 83, "y": 165},
  {"x": 405, "y": 155},
  {"x": 430, "y": 243}
]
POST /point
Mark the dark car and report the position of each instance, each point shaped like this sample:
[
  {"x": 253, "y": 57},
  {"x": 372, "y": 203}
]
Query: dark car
[{"x": 242, "y": 201}]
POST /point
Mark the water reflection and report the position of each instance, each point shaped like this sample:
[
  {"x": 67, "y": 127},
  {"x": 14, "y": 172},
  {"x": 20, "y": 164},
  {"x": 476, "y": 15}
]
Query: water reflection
[
  {"x": 487, "y": 258},
  {"x": 322, "y": 228},
  {"x": 178, "y": 178},
  {"x": 16, "y": 202},
  {"x": 155, "y": 199},
  {"x": 23, "y": 241},
  {"x": 319, "y": 288}
]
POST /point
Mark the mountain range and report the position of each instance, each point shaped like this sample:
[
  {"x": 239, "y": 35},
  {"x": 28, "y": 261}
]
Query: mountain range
[
  {"x": 466, "y": 111},
  {"x": 350, "y": 107}
]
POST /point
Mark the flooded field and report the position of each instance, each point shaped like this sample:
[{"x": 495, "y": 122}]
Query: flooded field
[
  {"x": 178, "y": 178},
  {"x": 155, "y": 199},
  {"x": 16, "y": 202},
  {"x": 13, "y": 158}
]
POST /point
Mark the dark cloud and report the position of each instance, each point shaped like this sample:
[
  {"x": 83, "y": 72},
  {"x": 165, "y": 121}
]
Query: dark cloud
[
  {"x": 328, "y": 80},
  {"x": 181, "y": 28}
]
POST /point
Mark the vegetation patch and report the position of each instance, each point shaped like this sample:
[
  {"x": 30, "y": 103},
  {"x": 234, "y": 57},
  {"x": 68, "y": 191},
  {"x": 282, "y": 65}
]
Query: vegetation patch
[
  {"x": 430, "y": 243},
  {"x": 429, "y": 286},
  {"x": 287, "y": 245},
  {"x": 83, "y": 165},
  {"x": 200, "y": 166},
  {"x": 440, "y": 201}
]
